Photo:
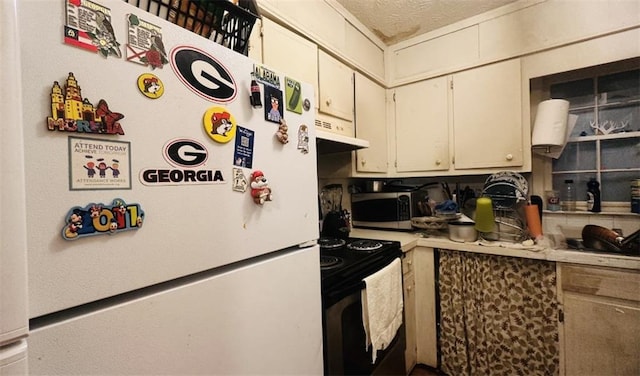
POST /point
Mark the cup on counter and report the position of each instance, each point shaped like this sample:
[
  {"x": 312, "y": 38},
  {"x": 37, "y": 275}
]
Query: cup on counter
[
  {"x": 553, "y": 200},
  {"x": 485, "y": 220}
]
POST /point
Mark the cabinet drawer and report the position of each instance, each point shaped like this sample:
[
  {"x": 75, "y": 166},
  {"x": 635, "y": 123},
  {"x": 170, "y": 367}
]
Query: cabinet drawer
[
  {"x": 606, "y": 282},
  {"x": 407, "y": 263}
]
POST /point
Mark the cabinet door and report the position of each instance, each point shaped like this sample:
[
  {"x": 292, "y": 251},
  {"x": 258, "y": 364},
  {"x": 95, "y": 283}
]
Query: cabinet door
[
  {"x": 425, "y": 293},
  {"x": 487, "y": 116},
  {"x": 602, "y": 337},
  {"x": 371, "y": 125},
  {"x": 336, "y": 87},
  {"x": 286, "y": 51},
  {"x": 422, "y": 130},
  {"x": 410, "y": 352}
]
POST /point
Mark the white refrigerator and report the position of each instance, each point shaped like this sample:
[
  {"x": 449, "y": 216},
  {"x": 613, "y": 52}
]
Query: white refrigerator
[{"x": 156, "y": 220}]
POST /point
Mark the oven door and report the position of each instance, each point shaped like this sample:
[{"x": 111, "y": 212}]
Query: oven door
[{"x": 344, "y": 342}]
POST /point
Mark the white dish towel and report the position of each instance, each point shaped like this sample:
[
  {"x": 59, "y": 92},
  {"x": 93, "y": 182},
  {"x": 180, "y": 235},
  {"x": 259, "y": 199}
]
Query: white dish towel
[{"x": 382, "y": 306}]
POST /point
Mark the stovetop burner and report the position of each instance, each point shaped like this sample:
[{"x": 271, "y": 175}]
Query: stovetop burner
[
  {"x": 364, "y": 245},
  {"x": 358, "y": 258},
  {"x": 329, "y": 262},
  {"x": 331, "y": 243}
]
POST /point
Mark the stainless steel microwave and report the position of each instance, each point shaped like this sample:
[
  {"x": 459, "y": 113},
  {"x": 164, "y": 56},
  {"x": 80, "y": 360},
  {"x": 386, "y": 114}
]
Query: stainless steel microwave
[{"x": 385, "y": 210}]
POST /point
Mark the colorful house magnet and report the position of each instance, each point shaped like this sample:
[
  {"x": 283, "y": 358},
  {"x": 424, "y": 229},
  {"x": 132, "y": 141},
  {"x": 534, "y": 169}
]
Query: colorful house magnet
[
  {"x": 72, "y": 113},
  {"x": 219, "y": 124},
  {"x": 100, "y": 219}
]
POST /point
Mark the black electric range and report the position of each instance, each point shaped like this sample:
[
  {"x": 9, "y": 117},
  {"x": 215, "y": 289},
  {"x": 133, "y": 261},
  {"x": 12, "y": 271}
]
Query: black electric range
[{"x": 344, "y": 263}]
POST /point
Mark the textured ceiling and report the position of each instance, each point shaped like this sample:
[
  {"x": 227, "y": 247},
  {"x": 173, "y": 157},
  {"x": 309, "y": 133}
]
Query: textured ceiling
[{"x": 396, "y": 20}]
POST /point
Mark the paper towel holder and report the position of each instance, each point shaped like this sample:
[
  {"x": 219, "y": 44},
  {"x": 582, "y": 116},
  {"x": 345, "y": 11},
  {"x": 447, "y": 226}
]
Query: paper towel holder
[{"x": 550, "y": 126}]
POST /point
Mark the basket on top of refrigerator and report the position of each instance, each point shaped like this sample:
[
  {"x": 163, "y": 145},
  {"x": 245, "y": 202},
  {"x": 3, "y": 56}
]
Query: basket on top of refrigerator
[{"x": 218, "y": 20}]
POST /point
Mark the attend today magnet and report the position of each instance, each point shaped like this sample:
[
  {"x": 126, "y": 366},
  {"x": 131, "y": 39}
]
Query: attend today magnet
[{"x": 99, "y": 164}]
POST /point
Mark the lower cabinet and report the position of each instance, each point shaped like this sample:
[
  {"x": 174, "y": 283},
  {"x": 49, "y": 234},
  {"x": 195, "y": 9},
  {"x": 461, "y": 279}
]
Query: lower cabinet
[
  {"x": 425, "y": 312},
  {"x": 408, "y": 281},
  {"x": 601, "y": 324}
]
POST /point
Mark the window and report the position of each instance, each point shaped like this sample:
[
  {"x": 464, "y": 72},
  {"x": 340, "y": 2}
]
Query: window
[{"x": 605, "y": 142}]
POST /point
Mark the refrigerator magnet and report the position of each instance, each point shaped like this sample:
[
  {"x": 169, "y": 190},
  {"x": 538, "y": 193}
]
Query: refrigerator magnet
[
  {"x": 272, "y": 110},
  {"x": 243, "y": 152},
  {"x": 100, "y": 219},
  {"x": 219, "y": 124},
  {"x": 187, "y": 159},
  {"x": 256, "y": 101},
  {"x": 99, "y": 164},
  {"x": 88, "y": 26},
  {"x": 145, "y": 44},
  {"x": 150, "y": 85},
  {"x": 303, "y": 139},
  {"x": 293, "y": 93},
  {"x": 260, "y": 190},
  {"x": 240, "y": 181},
  {"x": 72, "y": 113},
  {"x": 282, "y": 134}
]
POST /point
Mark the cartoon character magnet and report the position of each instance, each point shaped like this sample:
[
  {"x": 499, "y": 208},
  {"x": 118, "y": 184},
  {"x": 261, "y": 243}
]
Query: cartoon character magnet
[
  {"x": 100, "y": 219},
  {"x": 260, "y": 190},
  {"x": 272, "y": 110},
  {"x": 219, "y": 124},
  {"x": 150, "y": 85},
  {"x": 303, "y": 139},
  {"x": 240, "y": 182}
]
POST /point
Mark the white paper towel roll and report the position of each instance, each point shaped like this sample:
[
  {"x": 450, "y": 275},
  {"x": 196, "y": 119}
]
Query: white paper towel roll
[{"x": 550, "y": 127}]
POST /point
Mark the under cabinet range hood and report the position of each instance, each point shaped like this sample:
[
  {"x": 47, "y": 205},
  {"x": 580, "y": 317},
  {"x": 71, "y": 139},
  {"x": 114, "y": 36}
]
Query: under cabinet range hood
[{"x": 334, "y": 135}]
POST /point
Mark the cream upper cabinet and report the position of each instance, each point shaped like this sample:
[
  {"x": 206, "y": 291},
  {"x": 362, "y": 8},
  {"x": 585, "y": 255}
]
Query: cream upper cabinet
[
  {"x": 335, "y": 81},
  {"x": 286, "y": 51},
  {"x": 421, "y": 125},
  {"x": 371, "y": 125},
  {"x": 487, "y": 116}
]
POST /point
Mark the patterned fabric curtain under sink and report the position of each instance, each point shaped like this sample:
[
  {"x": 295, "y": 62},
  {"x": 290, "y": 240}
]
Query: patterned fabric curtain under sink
[{"x": 498, "y": 315}]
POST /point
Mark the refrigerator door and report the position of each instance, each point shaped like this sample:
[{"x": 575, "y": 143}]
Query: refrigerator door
[
  {"x": 13, "y": 240},
  {"x": 262, "y": 318},
  {"x": 13, "y": 359},
  {"x": 188, "y": 228}
]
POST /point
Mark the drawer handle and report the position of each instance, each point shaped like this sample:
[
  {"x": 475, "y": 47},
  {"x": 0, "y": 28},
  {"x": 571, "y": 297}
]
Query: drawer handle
[{"x": 509, "y": 157}]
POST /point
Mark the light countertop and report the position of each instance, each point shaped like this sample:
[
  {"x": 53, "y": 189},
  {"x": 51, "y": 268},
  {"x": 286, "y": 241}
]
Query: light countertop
[{"x": 410, "y": 240}]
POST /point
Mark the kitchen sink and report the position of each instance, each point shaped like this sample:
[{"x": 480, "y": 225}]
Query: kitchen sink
[{"x": 578, "y": 245}]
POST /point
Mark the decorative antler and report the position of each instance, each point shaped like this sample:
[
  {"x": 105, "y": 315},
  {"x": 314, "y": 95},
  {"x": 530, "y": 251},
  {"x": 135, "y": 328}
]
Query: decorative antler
[{"x": 608, "y": 126}]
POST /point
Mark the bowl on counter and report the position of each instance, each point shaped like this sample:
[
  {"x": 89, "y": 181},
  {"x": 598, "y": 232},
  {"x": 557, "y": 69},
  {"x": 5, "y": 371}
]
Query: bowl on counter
[{"x": 462, "y": 231}]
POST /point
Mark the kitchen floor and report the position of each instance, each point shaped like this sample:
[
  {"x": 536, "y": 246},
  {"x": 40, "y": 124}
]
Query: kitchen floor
[{"x": 421, "y": 370}]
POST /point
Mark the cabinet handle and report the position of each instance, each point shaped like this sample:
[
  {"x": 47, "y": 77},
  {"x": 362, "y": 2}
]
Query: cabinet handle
[
  {"x": 438, "y": 162},
  {"x": 363, "y": 162},
  {"x": 509, "y": 157},
  {"x": 328, "y": 102}
]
